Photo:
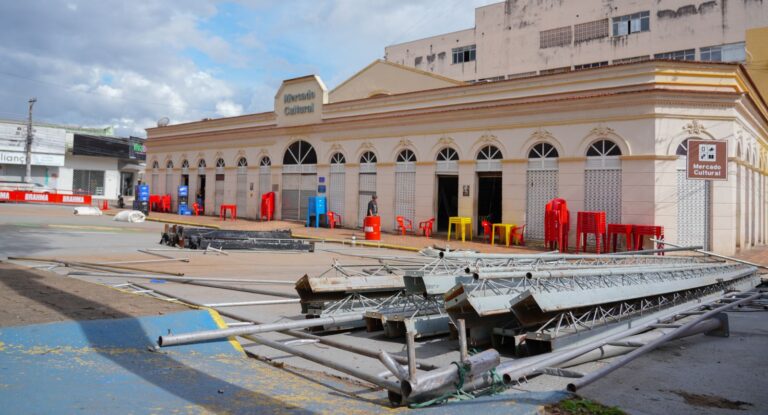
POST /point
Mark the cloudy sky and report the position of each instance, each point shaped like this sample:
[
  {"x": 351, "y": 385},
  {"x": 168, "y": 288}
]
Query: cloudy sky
[{"x": 128, "y": 63}]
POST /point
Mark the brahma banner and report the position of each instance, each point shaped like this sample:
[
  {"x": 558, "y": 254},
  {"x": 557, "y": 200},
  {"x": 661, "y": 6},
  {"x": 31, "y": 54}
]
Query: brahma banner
[{"x": 32, "y": 197}]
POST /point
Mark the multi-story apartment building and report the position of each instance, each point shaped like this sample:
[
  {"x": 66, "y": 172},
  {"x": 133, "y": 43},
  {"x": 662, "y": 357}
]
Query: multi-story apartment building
[{"x": 520, "y": 38}]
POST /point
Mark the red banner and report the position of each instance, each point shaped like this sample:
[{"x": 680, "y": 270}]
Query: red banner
[{"x": 32, "y": 197}]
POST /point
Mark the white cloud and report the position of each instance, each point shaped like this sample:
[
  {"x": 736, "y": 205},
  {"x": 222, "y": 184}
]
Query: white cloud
[{"x": 228, "y": 109}]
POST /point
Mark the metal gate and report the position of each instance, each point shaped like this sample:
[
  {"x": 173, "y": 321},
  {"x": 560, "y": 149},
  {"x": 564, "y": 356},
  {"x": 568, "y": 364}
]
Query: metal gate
[
  {"x": 367, "y": 189},
  {"x": 542, "y": 187},
  {"x": 602, "y": 192},
  {"x": 693, "y": 211},
  {"x": 336, "y": 190},
  {"x": 297, "y": 189},
  {"x": 405, "y": 191},
  {"x": 218, "y": 193},
  {"x": 169, "y": 183},
  {"x": 242, "y": 192}
]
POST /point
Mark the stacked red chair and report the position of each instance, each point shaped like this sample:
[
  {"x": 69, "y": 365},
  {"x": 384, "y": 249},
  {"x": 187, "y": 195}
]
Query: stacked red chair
[
  {"x": 404, "y": 225},
  {"x": 639, "y": 231},
  {"x": 426, "y": 227},
  {"x": 591, "y": 223},
  {"x": 334, "y": 219},
  {"x": 556, "y": 225}
]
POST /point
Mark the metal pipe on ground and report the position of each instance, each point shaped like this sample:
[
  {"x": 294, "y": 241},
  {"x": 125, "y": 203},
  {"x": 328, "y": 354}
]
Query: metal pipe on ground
[
  {"x": 148, "y": 252},
  {"x": 298, "y": 334},
  {"x": 199, "y": 336},
  {"x": 658, "y": 251},
  {"x": 383, "y": 383},
  {"x": 390, "y": 363},
  {"x": 253, "y": 303},
  {"x": 184, "y": 279},
  {"x": 94, "y": 265},
  {"x": 144, "y": 261},
  {"x": 434, "y": 383},
  {"x": 673, "y": 334},
  {"x": 708, "y": 253},
  {"x": 246, "y": 290},
  {"x": 596, "y": 271}
]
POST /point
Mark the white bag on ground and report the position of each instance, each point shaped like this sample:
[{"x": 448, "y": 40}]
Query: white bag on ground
[
  {"x": 133, "y": 216},
  {"x": 87, "y": 211}
]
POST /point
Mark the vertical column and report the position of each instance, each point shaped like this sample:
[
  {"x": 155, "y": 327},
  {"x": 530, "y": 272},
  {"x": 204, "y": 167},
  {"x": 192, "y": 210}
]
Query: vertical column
[
  {"x": 351, "y": 195},
  {"x": 277, "y": 179},
  {"x": 210, "y": 191},
  {"x": 513, "y": 196},
  {"x": 467, "y": 177},
  {"x": 571, "y": 184},
  {"x": 665, "y": 195},
  {"x": 252, "y": 186},
  {"x": 324, "y": 171},
  {"x": 385, "y": 190},
  {"x": 724, "y": 208}
]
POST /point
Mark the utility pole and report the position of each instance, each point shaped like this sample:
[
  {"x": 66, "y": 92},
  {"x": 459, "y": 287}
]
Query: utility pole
[{"x": 28, "y": 176}]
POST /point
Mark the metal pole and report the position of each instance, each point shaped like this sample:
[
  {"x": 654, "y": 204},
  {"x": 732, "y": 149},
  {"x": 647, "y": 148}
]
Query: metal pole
[
  {"x": 182, "y": 279},
  {"x": 462, "y": 327},
  {"x": 656, "y": 251},
  {"x": 144, "y": 261},
  {"x": 30, "y": 137},
  {"x": 599, "y": 271},
  {"x": 246, "y": 290},
  {"x": 251, "y": 303},
  {"x": 410, "y": 338},
  {"x": 386, "y": 384},
  {"x": 299, "y": 334},
  {"x": 593, "y": 376},
  {"x": 701, "y": 251},
  {"x": 200, "y": 336}
]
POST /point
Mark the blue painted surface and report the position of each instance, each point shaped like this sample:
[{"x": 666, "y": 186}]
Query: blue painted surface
[{"x": 105, "y": 367}]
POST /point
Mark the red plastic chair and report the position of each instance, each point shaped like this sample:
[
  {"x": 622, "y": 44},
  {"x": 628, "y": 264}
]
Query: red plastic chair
[
  {"x": 165, "y": 203},
  {"x": 333, "y": 219},
  {"x": 487, "y": 230},
  {"x": 517, "y": 233},
  {"x": 426, "y": 227},
  {"x": 197, "y": 209},
  {"x": 404, "y": 224}
]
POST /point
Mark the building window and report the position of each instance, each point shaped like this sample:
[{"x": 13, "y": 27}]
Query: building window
[
  {"x": 464, "y": 54},
  {"x": 590, "y": 30},
  {"x": 185, "y": 164},
  {"x": 493, "y": 79},
  {"x": 632, "y": 60},
  {"x": 678, "y": 55},
  {"x": 732, "y": 52},
  {"x": 406, "y": 156},
  {"x": 265, "y": 161},
  {"x": 88, "y": 182},
  {"x": 368, "y": 157},
  {"x": 555, "y": 70},
  {"x": 561, "y": 36},
  {"x": 590, "y": 65},
  {"x": 521, "y": 75},
  {"x": 631, "y": 23},
  {"x": 417, "y": 60},
  {"x": 220, "y": 163}
]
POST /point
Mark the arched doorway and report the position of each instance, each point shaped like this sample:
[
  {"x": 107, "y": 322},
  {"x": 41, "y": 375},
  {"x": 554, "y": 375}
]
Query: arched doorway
[
  {"x": 155, "y": 181},
  {"x": 602, "y": 180},
  {"x": 367, "y": 184},
  {"x": 542, "y": 185},
  {"x": 242, "y": 186},
  {"x": 265, "y": 176},
  {"x": 200, "y": 195},
  {"x": 489, "y": 185},
  {"x": 693, "y": 204},
  {"x": 405, "y": 185},
  {"x": 447, "y": 171},
  {"x": 299, "y": 179},
  {"x": 336, "y": 185},
  {"x": 218, "y": 187}
]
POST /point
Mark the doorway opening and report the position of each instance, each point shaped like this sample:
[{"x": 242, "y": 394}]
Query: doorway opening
[
  {"x": 447, "y": 200},
  {"x": 200, "y": 196},
  {"x": 184, "y": 180},
  {"x": 488, "y": 199}
]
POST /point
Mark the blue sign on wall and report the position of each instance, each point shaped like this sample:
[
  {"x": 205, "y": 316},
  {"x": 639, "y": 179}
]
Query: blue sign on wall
[
  {"x": 183, "y": 191},
  {"x": 321, "y": 188},
  {"x": 143, "y": 192}
]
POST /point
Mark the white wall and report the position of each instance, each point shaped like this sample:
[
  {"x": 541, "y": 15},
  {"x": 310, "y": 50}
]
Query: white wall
[{"x": 107, "y": 165}]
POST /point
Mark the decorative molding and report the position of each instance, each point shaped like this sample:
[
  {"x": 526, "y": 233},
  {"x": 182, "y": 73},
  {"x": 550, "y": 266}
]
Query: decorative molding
[
  {"x": 648, "y": 157},
  {"x": 602, "y": 131},
  {"x": 367, "y": 145},
  {"x": 488, "y": 138},
  {"x": 335, "y": 147},
  {"x": 542, "y": 135},
  {"x": 445, "y": 141},
  {"x": 695, "y": 127},
  {"x": 514, "y": 161},
  {"x": 404, "y": 142},
  {"x": 570, "y": 159}
]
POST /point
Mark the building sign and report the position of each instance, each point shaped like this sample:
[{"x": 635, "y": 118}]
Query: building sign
[
  {"x": 707, "y": 159},
  {"x": 300, "y": 103},
  {"x": 11, "y": 157},
  {"x": 48, "y": 144}
]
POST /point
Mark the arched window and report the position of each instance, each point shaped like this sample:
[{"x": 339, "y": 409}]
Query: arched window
[
  {"x": 155, "y": 165},
  {"x": 368, "y": 157},
  {"x": 220, "y": 163},
  {"x": 185, "y": 164},
  {"x": 682, "y": 149},
  {"x": 300, "y": 152},
  {"x": 489, "y": 153},
  {"x": 602, "y": 180},
  {"x": 406, "y": 156},
  {"x": 542, "y": 156},
  {"x": 447, "y": 154},
  {"x": 242, "y": 162},
  {"x": 603, "y": 154},
  {"x": 201, "y": 164},
  {"x": 447, "y": 161},
  {"x": 489, "y": 159},
  {"x": 169, "y": 164},
  {"x": 242, "y": 169},
  {"x": 265, "y": 162},
  {"x": 338, "y": 158}
]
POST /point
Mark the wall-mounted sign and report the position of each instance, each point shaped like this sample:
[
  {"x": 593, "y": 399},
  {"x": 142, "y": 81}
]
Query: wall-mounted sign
[
  {"x": 38, "y": 159},
  {"x": 300, "y": 103},
  {"x": 465, "y": 190},
  {"x": 707, "y": 160}
]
